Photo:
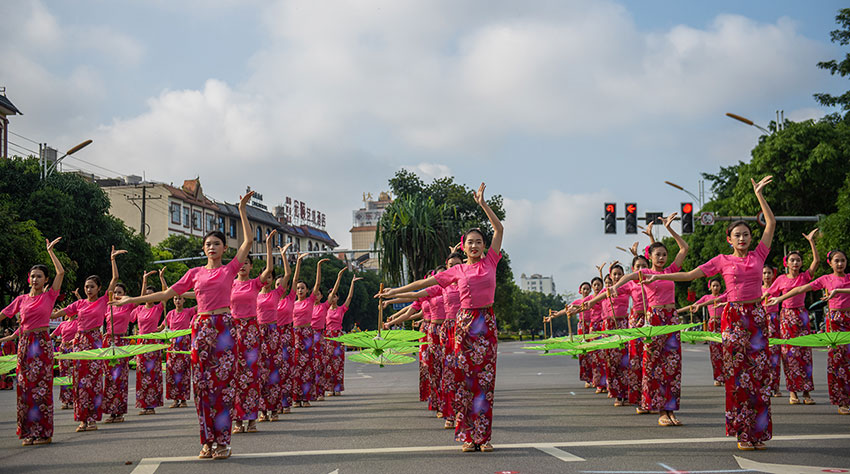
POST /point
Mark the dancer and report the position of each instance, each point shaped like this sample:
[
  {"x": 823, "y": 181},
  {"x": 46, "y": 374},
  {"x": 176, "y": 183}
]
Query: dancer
[
  {"x": 714, "y": 304},
  {"x": 477, "y": 335},
  {"x": 320, "y": 357},
  {"x": 178, "y": 370},
  {"x": 837, "y": 284},
  {"x": 271, "y": 352},
  {"x": 149, "y": 364},
  {"x": 213, "y": 356},
  {"x": 66, "y": 331},
  {"x": 286, "y": 359},
  {"x": 336, "y": 351},
  {"x": 582, "y": 327},
  {"x": 594, "y": 323},
  {"x": 637, "y": 318},
  {"x": 795, "y": 322},
  {"x": 116, "y": 383},
  {"x": 35, "y": 351},
  {"x": 88, "y": 374},
  {"x": 304, "y": 374},
  {"x": 744, "y": 325},
  {"x": 243, "y": 304},
  {"x": 662, "y": 355},
  {"x": 774, "y": 330}
]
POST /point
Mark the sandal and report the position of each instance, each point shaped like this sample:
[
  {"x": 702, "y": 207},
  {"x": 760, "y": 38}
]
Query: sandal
[
  {"x": 27, "y": 442},
  {"x": 175, "y": 404},
  {"x": 746, "y": 446},
  {"x": 718, "y": 383},
  {"x": 599, "y": 390},
  {"x": 119, "y": 419},
  {"x": 449, "y": 424},
  {"x": 252, "y": 426},
  {"x": 486, "y": 447},
  {"x": 641, "y": 411},
  {"x": 618, "y": 403},
  {"x": 238, "y": 427},
  {"x": 287, "y": 411},
  {"x": 666, "y": 421},
  {"x": 111, "y": 419},
  {"x": 760, "y": 446},
  {"x": 439, "y": 414},
  {"x": 794, "y": 400},
  {"x": 306, "y": 404},
  {"x": 587, "y": 385},
  {"x": 261, "y": 417},
  {"x": 206, "y": 452},
  {"x": 844, "y": 410},
  {"x": 777, "y": 394},
  {"x": 675, "y": 421},
  {"x": 39, "y": 441},
  {"x": 81, "y": 428},
  {"x": 221, "y": 453},
  {"x": 808, "y": 401},
  {"x": 468, "y": 448},
  {"x": 337, "y": 394},
  {"x": 184, "y": 404},
  {"x": 274, "y": 416},
  {"x": 91, "y": 426}
]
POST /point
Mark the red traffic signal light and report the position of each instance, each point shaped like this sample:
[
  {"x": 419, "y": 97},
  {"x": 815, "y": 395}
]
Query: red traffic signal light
[
  {"x": 631, "y": 208},
  {"x": 687, "y": 208},
  {"x": 631, "y": 218},
  {"x": 687, "y": 218},
  {"x": 610, "y": 208},
  {"x": 610, "y": 218}
]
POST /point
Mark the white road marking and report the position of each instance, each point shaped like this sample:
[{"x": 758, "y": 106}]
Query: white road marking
[
  {"x": 573, "y": 393},
  {"x": 785, "y": 468},
  {"x": 335, "y": 471},
  {"x": 150, "y": 465},
  {"x": 562, "y": 455},
  {"x": 692, "y": 350}
]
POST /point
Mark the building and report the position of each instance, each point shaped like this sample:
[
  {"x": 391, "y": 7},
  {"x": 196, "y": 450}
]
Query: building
[
  {"x": 538, "y": 283},
  {"x": 365, "y": 222},
  {"x": 7, "y": 108},
  {"x": 187, "y": 211}
]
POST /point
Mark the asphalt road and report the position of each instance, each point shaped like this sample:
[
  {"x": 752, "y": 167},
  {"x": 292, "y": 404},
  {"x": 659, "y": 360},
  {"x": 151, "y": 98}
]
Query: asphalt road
[{"x": 544, "y": 421}]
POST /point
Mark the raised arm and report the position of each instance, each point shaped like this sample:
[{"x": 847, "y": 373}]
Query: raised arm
[
  {"x": 60, "y": 270},
  {"x": 622, "y": 281},
  {"x": 347, "y": 303},
  {"x": 678, "y": 276},
  {"x": 793, "y": 292},
  {"x": 769, "y": 219},
  {"x": 114, "y": 280},
  {"x": 408, "y": 297},
  {"x": 336, "y": 283},
  {"x": 683, "y": 246},
  {"x": 145, "y": 282},
  {"x": 414, "y": 286},
  {"x": 245, "y": 246},
  {"x": 297, "y": 273},
  {"x": 648, "y": 231},
  {"x": 498, "y": 228},
  {"x": 318, "y": 285},
  {"x": 815, "y": 257},
  {"x": 287, "y": 272},
  {"x": 267, "y": 272},
  {"x": 162, "y": 283}
]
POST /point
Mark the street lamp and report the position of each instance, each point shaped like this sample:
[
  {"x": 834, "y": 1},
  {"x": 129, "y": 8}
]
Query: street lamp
[
  {"x": 698, "y": 199},
  {"x": 48, "y": 170},
  {"x": 747, "y": 121}
]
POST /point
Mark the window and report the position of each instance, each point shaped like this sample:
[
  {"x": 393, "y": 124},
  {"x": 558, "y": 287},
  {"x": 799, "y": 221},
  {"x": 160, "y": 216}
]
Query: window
[
  {"x": 175, "y": 213},
  {"x": 210, "y": 222},
  {"x": 280, "y": 240},
  {"x": 196, "y": 220},
  {"x": 232, "y": 233},
  {"x": 185, "y": 217},
  {"x": 221, "y": 224},
  {"x": 259, "y": 236}
]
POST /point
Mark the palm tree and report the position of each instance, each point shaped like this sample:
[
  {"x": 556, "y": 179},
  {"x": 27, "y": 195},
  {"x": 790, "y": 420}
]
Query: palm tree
[{"x": 417, "y": 229}]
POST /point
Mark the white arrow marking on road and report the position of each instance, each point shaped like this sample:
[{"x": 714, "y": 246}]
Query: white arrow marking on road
[
  {"x": 560, "y": 454},
  {"x": 335, "y": 471},
  {"x": 785, "y": 468}
]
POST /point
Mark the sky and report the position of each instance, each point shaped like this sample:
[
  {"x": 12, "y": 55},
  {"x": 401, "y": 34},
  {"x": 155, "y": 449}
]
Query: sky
[{"x": 557, "y": 105}]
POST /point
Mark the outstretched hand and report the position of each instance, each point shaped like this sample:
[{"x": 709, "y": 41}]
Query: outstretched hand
[
  {"x": 115, "y": 253},
  {"x": 244, "y": 200},
  {"x": 150, "y": 273},
  {"x": 759, "y": 187},
  {"x": 479, "y": 195},
  {"x": 50, "y": 244},
  {"x": 633, "y": 249},
  {"x": 669, "y": 219},
  {"x": 811, "y": 235},
  {"x": 648, "y": 229}
]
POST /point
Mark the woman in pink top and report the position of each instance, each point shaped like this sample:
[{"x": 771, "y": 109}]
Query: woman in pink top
[
  {"x": 837, "y": 284},
  {"x": 149, "y": 365},
  {"x": 243, "y": 304},
  {"x": 35, "y": 352},
  {"x": 66, "y": 331},
  {"x": 794, "y": 322},
  {"x": 435, "y": 348},
  {"x": 714, "y": 303},
  {"x": 768, "y": 276},
  {"x": 285, "y": 309},
  {"x": 476, "y": 331},
  {"x": 271, "y": 353},
  {"x": 744, "y": 325},
  {"x": 320, "y": 357},
  {"x": 593, "y": 316},
  {"x": 637, "y": 318},
  {"x": 88, "y": 374},
  {"x": 304, "y": 374},
  {"x": 116, "y": 384},
  {"x": 213, "y": 357},
  {"x": 584, "y": 289},
  {"x": 178, "y": 370},
  {"x": 615, "y": 315},
  {"x": 326, "y": 379},
  {"x": 336, "y": 312},
  {"x": 662, "y": 355},
  {"x": 450, "y": 386}
]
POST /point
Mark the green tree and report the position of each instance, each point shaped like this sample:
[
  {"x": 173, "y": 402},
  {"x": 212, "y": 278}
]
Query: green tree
[{"x": 842, "y": 68}]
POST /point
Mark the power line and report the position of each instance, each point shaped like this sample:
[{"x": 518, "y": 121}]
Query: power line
[
  {"x": 25, "y": 138},
  {"x": 21, "y": 146},
  {"x": 97, "y": 166}
]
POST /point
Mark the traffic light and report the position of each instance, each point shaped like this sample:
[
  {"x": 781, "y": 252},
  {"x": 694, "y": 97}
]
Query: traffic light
[
  {"x": 631, "y": 218},
  {"x": 687, "y": 218},
  {"x": 610, "y": 218},
  {"x": 653, "y": 218}
]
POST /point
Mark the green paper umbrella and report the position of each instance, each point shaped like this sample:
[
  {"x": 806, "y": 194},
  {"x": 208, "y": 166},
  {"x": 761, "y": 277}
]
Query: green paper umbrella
[
  {"x": 179, "y": 352},
  {"x": 775, "y": 341},
  {"x": 161, "y": 335},
  {"x": 113, "y": 352},
  {"x": 61, "y": 380},
  {"x": 408, "y": 350},
  {"x": 385, "y": 358},
  {"x": 823, "y": 339},
  {"x": 7, "y": 366},
  {"x": 395, "y": 339},
  {"x": 700, "y": 336},
  {"x": 9, "y": 357},
  {"x": 389, "y": 335},
  {"x": 651, "y": 331}
]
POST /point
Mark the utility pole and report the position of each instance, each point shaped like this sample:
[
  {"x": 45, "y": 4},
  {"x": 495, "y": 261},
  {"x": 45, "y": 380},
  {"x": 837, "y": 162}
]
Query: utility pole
[{"x": 143, "y": 208}]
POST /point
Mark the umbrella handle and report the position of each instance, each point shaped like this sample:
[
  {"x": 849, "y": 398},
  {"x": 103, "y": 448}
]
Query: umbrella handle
[{"x": 380, "y": 310}]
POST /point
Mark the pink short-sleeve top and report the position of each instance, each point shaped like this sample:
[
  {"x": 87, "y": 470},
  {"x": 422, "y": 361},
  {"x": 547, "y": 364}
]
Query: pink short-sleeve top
[
  {"x": 212, "y": 286},
  {"x": 784, "y": 283},
  {"x": 35, "y": 310},
  {"x": 89, "y": 313},
  {"x": 476, "y": 281},
  {"x": 438, "y": 307},
  {"x": 120, "y": 316},
  {"x": 620, "y": 304},
  {"x": 66, "y": 330},
  {"x": 660, "y": 292},
  {"x": 335, "y": 315},
  {"x": 285, "y": 308},
  {"x": 632, "y": 289},
  {"x": 741, "y": 275},
  {"x": 267, "y": 304},
  {"x": 319, "y": 317},
  {"x": 243, "y": 298},
  {"x": 302, "y": 313},
  {"x": 714, "y": 309},
  {"x": 578, "y": 302},
  {"x": 148, "y": 318},
  {"x": 426, "y": 308},
  {"x": 177, "y": 320},
  {"x": 831, "y": 282},
  {"x": 594, "y": 313},
  {"x": 451, "y": 300}
]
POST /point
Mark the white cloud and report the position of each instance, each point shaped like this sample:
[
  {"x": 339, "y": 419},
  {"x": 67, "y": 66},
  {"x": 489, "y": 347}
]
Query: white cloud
[{"x": 430, "y": 171}]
